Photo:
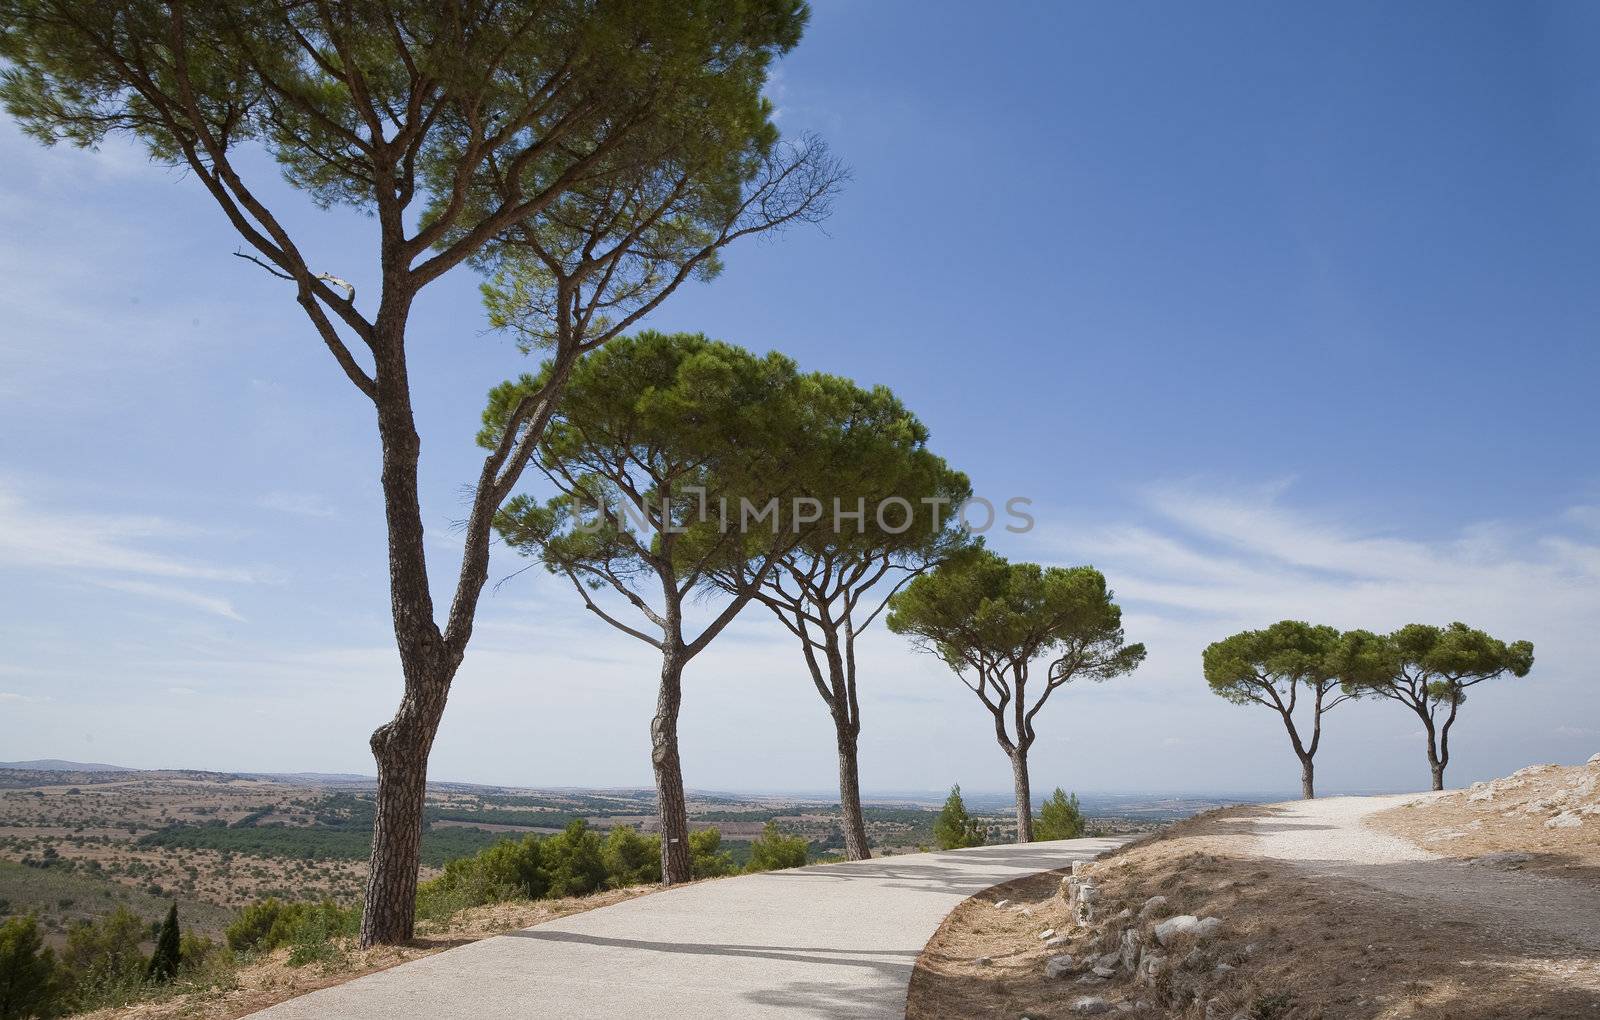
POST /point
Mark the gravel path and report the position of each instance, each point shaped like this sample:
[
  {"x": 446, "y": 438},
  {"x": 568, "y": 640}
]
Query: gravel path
[
  {"x": 1330, "y": 837},
  {"x": 837, "y": 940}
]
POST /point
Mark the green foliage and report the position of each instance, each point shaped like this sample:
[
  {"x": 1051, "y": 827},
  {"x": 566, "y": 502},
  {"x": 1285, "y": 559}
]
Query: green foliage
[
  {"x": 317, "y": 842},
  {"x": 572, "y": 862},
  {"x": 28, "y": 983},
  {"x": 631, "y": 859},
  {"x": 978, "y": 611},
  {"x": 103, "y": 962},
  {"x": 1268, "y": 666},
  {"x": 954, "y": 829},
  {"x": 1059, "y": 817},
  {"x": 773, "y": 851},
  {"x": 658, "y": 429},
  {"x": 707, "y": 859},
  {"x": 163, "y": 965},
  {"x": 307, "y": 928}
]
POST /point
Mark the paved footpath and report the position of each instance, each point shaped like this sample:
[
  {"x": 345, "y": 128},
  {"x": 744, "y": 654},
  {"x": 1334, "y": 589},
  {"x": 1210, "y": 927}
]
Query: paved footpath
[{"x": 836, "y": 940}]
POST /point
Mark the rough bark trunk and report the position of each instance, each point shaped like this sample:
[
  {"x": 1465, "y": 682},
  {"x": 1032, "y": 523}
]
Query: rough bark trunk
[
  {"x": 856, "y": 847},
  {"x": 1435, "y": 765},
  {"x": 391, "y": 894},
  {"x": 674, "y": 813},
  {"x": 401, "y": 746},
  {"x": 1308, "y": 789},
  {"x": 1019, "y": 774}
]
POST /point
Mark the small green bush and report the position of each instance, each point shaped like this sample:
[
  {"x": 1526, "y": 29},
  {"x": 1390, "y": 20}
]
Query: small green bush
[
  {"x": 307, "y": 928},
  {"x": 1059, "y": 817},
  {"x": 631, "y": 859},
  {"x": 774, "y": 851},
  {"x": 954, "y": 828},
  {"x": 707, "y": 859}
]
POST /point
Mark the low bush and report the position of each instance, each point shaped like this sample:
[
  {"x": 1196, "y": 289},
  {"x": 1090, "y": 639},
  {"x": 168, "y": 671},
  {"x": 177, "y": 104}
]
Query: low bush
[
  {"x": 774, "y": 851},
  {"x": 707, "y": 859},
  {"x": 309, "y": 929}
]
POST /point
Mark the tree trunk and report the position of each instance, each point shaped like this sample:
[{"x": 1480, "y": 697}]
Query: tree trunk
[
  {"x": 1019, "y": 774},
  {"x": 401, "y": 746},
  {"x": 1435, "y": 765},
  {"x": 674, "y": 813},
  {"x": 390, "y": 908},
  {"x": 856, "y": 847},
  {"x": 1308, "y": 789}
]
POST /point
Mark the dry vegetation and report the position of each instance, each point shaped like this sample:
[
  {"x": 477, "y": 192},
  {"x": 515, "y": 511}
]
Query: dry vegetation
[
  {"x": 259, "y": 983},
  {"x": 1544, "y": 818},
  {"x": 1291, "y": 947}
]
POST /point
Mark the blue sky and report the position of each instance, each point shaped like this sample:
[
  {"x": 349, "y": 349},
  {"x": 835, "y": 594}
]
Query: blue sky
[{"x": 1273, "y": 311}]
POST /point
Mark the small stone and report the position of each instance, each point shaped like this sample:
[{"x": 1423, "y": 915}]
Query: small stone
[
  {"x": 1594, "y": 762},
  {"x": 1059, "y": 940},
  {"x": 1172, "y": 927},
  {"x": 1221, "y": 968},
  {"x": 1090, "y": 1005},
  {"x": 1091, "y": 979},
  {"x": 1047, "y": 934},
  {"x": 983, "y": 961},
  {"x": 1565, "y": 820},
  {"x": 1208, "y": 927},
  {"x": 1058, "y": 966},
  {"x": 1109, "y": 960},
  {"x": 1152, "y": 905},
  {"x": 1105, "y": 972},
  {"x": 1002, "y": 903},
  {"x": 1252, "y": 948}
]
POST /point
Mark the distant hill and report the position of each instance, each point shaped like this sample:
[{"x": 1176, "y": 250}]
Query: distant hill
[{"x": 57, "y": 765}]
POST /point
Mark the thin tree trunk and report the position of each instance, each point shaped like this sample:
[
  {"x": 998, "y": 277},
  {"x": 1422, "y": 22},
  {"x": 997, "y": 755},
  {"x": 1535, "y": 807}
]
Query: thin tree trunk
[
  {"x": 1308, "y": 788},
  {"x": 1435, "y": 765},
  {"x": 1019, "y": 774},
  {"x": 856, "y": 847},
  {"x": 401, "y": 746},
  {"x": 674, "y": 812}
]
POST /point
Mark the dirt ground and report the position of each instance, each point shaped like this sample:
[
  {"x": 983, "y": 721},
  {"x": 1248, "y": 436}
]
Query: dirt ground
[
  {"x": 1293, "y": 945},
  {"x": 270, "y": 979},
  {"x": 1507, "y": 823}
]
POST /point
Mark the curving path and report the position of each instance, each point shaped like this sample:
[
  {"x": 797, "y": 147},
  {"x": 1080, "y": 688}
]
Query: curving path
[{"x": 836, "y": 940}]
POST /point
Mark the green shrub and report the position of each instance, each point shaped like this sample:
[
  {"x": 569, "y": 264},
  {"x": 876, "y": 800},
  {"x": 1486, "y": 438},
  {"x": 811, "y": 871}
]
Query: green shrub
[
  {"x": 774, "y": 851},
  {"x": 572, "y": 862},
  {"x": 707, "y": 859},
  {"x": 1059, "y": 817},
  {"x": 631, "y": 859},
  {"x": 28, "y": 980},
  {"x": 103, "y": 962},
  {"x": 954, "y": 828},
  {"x": 307, "y": 928}
]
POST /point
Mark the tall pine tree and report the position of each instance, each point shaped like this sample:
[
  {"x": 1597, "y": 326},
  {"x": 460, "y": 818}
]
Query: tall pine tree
[{"x": 164, "y": 961}]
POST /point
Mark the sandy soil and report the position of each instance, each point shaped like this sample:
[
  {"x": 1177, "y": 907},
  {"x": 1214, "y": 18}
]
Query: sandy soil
[
  {"x": 1544, "y": 819},
  {"x": 1323, "y": 917}
]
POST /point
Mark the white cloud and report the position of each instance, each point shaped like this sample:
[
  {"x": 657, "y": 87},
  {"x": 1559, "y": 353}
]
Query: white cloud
[
  {"x": 103, "y": 543},
  {"x": 181, "y": 596}
]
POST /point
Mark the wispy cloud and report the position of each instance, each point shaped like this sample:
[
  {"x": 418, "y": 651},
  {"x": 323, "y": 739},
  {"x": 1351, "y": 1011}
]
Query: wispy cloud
[
  {"x": 109, "y": 551},
  {"x": 1207, "y": 562}
]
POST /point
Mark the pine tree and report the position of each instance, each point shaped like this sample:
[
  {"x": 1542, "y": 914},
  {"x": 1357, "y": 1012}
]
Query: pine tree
[
  {"x": 1059, "y": 817},
  {"x": 164, "y": 961},
  {"x": 954, "y": 828},
  {"x": 27, "y": 970}
]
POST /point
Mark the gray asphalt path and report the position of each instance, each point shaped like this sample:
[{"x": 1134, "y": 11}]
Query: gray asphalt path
[{"x": 835, "y": 940}]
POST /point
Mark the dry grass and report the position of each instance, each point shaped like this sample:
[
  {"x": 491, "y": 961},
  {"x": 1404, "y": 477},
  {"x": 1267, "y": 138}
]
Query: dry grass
[
  {"x": 1510, "y": 816},
  {"x": 269, "y": 979},
  {"x": 1299, "y": 948}
]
